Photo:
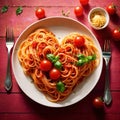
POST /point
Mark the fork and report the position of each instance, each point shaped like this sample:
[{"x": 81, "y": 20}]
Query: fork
[
  {"x": 107, "y": 55},
  {"x": 9, "y": 45}
]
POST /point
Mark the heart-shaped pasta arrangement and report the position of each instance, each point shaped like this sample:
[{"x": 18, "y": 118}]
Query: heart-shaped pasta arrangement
[{"x": 57, "y": 68}]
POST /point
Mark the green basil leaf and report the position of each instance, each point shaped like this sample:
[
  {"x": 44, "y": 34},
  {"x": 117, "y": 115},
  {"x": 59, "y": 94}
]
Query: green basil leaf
[
  {"x": 4, "y": 9},
  {"x": 19, "y": 10},
  {"x": 84, "y": 59},
  {"x": 55, "y": 59},
  {"x": 60, "y": 86},
  {"x": 80, "y": 56},
  {"x": 50, "y": 57},
  {"x": 91, "y": 57},
  {"x": 94, "y": 57},
  {"x": 80, "y": 62},
  {"x": 58, "y": 65}
]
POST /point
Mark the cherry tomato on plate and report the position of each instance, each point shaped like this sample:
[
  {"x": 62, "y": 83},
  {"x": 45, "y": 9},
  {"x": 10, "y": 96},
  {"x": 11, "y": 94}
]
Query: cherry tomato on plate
[
  {"x": 116, "y": 34},
  {"x": 111, "y": 9},
  {"x": 40, "y": 13},
  {"x": 54, "y": 74},
  {"x": 98, "y": 102},
  {"x": 84, "y": 2},
  {"x": 45, "y": 65},
  {"x": 78, "y": 11},
  {"x": 79, "y": 41}
]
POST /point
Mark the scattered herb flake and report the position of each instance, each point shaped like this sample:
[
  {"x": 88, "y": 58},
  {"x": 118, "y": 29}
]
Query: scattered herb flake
[
  {"x": 4, "y": 9},
  {"x": 65, "y": 14},
  {"x": 19, "y": 10}
]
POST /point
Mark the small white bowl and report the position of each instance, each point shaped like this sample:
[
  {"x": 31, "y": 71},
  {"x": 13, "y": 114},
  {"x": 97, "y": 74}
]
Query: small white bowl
[{"x": 98, "y": 18}]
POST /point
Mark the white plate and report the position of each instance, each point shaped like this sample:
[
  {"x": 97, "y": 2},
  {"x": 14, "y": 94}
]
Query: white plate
[{"x": 60, "y": 26}]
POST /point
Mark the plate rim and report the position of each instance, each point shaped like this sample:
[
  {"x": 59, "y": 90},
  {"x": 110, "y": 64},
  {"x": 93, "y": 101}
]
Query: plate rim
[{"x": 48, "y": 18}]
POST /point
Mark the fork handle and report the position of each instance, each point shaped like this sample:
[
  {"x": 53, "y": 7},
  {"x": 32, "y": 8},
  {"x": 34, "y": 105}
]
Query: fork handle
[
  {"x": 107, "y": 94},
  {"x": 8, "y": 81}
]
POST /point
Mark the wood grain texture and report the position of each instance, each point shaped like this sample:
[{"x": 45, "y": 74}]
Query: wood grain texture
[
  {"x": 23, "y": 106},
  {"x": 46, "y": 116}
]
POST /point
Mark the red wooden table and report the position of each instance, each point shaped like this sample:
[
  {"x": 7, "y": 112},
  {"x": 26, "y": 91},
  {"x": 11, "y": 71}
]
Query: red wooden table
[{"x": 17, "y": 105}]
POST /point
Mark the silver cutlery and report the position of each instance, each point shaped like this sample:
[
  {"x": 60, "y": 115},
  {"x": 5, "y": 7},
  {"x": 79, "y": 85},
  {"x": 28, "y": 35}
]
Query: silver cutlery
[
  {"x": 9, "y": 45},
  {"x": 107, "y": 55}
]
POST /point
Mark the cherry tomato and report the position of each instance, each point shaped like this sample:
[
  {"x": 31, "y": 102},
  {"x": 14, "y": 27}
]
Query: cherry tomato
[
  {"x": 78, "y": 11},
  {"x": 40, "y": 13},
  {"x": 84, "y": 2},
  {"x": 54, "y": 74},
  {"x": 98, "y": 102},
  {"x": 45, "y": 65},
  {"x": 116, "y": 34},
  {"x": 111, "y": 9},
  {"x": 79, "y": 41}
]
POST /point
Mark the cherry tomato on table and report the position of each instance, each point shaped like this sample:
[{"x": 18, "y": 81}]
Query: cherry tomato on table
[
  {"x": 54, "y": 74},
  {"x": 116, "y": 34},
  {"x": 40, "y": 13},
  {"x": 45, "y": 65},
  {"x": 84, "y": 2},
  {"x": 111, "y": 9},
  {"x": 98, "y": 102},
  {"x": 79, "y": 41},
  {"x": 78, "y": 11}
]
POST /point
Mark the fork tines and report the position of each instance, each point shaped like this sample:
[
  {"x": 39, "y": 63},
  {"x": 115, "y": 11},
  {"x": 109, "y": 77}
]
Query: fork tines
[
  {"x": 9, "y": 34},
  {"x": 106, "y": 46}
]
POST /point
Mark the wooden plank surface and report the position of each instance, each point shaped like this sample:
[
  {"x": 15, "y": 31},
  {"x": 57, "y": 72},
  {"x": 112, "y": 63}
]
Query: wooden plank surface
[
  {"x": 23, "y": 104},
  {"x": 28, "y": 108},
  {"x": 51, "y": 9}
]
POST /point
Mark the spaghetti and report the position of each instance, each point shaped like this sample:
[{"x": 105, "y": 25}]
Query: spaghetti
[{"x": 39, "y": 44}]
